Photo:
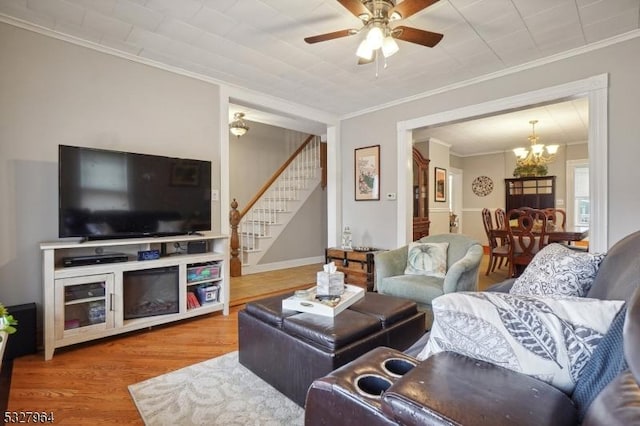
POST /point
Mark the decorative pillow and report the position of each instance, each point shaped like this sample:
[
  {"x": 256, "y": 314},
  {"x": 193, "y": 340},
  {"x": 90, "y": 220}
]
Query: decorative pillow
[
  {"x": 427, "y": 259},
  {"x": 558, "y": 270},
  {"x": 549, "y": 338}
]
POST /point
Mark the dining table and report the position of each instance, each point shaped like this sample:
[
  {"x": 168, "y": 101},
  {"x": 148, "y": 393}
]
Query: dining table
[
  {"x": 568, "y": 233},
  {"x": 561, "y": 235}
]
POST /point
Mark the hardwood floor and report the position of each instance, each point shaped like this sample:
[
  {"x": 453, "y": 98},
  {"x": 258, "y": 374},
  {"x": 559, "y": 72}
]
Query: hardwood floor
[
  {"x": 251, "y": 287},
  {"x": 87, "y": 384}
]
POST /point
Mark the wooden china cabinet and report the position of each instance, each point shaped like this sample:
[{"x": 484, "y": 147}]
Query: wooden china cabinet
[
  {"x": 535, "y": 192},
  {"x": 420, "y": 195}
]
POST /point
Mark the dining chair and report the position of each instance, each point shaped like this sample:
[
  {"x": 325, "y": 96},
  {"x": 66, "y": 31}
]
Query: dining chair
[
  {"x": 557, "y": 217},
  {"x": 527, "y": 236},
  {"x": 500, "y": 224},
  {"x": 497, "y": 251},
  {"x": 500, "y": 218}
]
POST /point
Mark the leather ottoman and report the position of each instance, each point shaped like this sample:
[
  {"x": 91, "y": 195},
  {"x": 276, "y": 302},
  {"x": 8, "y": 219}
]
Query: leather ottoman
[{"x": 289, "y": 349}]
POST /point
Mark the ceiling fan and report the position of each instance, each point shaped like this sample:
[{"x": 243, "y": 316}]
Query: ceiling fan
[{"x": 377, "y": 17}]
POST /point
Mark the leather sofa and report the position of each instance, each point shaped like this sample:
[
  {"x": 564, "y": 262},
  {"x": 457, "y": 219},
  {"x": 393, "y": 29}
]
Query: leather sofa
[{"x": 452, "y": 389}]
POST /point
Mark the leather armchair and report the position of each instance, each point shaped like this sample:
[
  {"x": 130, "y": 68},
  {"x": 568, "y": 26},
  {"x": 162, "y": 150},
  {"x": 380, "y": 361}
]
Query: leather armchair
[{"x": 463, "y": 262}]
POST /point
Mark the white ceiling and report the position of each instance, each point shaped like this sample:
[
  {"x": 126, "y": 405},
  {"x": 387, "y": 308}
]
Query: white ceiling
[
  {"x": 258, "y": 44},
  {"x": 560, "y": 123}
]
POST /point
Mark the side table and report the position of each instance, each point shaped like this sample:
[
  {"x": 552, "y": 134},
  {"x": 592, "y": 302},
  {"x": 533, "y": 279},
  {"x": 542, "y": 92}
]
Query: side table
[{"x": 357, "y": 265}]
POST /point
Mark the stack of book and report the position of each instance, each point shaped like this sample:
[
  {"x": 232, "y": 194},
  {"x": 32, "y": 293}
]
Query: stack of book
[{"x": 192, "y": 301}]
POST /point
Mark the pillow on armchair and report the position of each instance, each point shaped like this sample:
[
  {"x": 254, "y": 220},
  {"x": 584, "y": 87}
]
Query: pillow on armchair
[
  {"x": 427, "y": 259},
  {"x": 550, "y": 338}
]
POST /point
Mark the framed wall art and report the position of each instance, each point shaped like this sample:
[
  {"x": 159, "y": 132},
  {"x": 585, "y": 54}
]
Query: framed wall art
[
  {"x": 440, "y": 186},
  {"x": 367, "y": 173}
]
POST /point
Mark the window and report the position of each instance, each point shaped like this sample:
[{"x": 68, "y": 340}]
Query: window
[{"x": 581, "y": 205}]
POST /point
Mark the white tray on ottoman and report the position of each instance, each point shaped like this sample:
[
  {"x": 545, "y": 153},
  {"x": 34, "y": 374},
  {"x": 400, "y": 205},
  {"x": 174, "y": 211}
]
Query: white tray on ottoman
[{"x": 350, "y": 296}]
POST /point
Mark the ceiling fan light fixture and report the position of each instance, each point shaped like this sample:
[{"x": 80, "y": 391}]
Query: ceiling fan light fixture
[
  {"x": 364, "y": 50},
  {"x": 375, "y": 37},
  {"x": 238, "y": 127},
  {"x": 389, "y": 46}
]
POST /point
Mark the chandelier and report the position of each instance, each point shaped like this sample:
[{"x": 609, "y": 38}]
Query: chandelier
[
  {"x": 238, "y": 127},
  {"x": 533, "y": 161}
]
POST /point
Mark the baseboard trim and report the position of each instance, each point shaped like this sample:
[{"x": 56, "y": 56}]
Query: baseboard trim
[{"x": 294, "y": 263}]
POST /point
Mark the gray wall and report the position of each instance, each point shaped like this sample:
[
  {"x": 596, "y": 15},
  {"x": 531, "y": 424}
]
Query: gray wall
[
  {"x": 54, "y": 92},
  {"x": 620, "y": 61},
  {"x": 58, "y": 93}
]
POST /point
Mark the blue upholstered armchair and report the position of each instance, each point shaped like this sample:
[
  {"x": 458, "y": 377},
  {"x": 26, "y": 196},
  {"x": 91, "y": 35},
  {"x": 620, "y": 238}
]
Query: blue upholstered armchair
[{"x": 463, "y": 262}]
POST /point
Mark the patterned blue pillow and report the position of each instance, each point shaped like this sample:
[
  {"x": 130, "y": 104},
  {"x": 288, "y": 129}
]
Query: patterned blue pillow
[
  {"x": 549, "y": 338},
  {"x": 558, "y": 270}
]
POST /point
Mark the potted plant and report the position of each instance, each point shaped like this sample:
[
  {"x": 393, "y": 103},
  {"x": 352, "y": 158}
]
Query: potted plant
[
  {"x": 7, "y": 322},
  {"x": 530, "y": 170}
]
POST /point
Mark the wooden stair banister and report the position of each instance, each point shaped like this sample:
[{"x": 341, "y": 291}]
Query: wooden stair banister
[
  {"x": 273, "y": 177},
  {"x": 236, "y": 216}
]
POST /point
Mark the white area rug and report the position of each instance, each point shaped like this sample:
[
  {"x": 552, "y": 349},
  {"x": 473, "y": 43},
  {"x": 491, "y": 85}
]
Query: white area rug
[{"x": 219, "y": 391}]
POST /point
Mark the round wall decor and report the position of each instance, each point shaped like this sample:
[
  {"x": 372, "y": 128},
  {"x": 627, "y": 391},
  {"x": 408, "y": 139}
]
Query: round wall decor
[{"x": 482, "y": 186}]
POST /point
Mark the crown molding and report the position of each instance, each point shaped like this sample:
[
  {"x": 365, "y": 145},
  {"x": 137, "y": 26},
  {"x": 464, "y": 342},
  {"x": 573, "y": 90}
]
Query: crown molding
[{"x": 508, "y": 71}]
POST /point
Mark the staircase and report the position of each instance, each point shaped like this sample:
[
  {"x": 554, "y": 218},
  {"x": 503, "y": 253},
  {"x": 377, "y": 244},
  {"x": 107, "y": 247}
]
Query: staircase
[{"x": 273, "y": 208}]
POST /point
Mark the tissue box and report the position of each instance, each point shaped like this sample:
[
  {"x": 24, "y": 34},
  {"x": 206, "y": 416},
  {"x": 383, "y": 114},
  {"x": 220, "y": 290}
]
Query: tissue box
[{"x": 330, "y": 283}]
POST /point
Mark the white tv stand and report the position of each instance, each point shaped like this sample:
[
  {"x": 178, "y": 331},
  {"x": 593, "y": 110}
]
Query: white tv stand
[{"x": 88, "y": 302}]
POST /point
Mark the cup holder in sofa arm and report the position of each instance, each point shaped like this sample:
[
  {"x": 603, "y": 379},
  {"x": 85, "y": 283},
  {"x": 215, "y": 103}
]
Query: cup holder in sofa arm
[
  {"x": 372, "y": 385},
  {"x": 397, "y": 367}
]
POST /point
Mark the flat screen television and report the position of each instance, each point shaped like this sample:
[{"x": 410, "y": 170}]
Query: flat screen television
[{"x": 112, "y": 194}]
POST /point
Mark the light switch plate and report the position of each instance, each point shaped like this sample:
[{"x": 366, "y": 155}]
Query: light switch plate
[
  {"x": 391, "y": 196},
  {"x": 215, "y": 195}
]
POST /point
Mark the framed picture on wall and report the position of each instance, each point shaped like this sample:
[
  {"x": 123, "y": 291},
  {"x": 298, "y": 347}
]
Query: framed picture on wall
[
  {"x": 367, "y": 173},
  {"x": 440, "y": 185}
]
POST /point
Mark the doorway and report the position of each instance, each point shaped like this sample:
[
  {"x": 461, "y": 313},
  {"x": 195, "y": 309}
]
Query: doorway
[
  {"x": 455, "y": 201},
  {"x": 595, "y": 88}
]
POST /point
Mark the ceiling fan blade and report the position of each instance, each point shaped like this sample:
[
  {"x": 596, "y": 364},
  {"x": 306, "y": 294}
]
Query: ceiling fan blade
[
  {"x": 356, "y": 7},
  {"x": 410, "y": 7},
  {"x": 330, "y": 36},
  {"x": 414, "y": 35}
]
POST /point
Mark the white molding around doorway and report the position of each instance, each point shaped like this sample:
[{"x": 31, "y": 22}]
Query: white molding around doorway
[{"x": 595, "y": 88}]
